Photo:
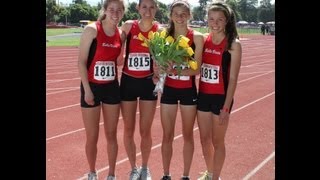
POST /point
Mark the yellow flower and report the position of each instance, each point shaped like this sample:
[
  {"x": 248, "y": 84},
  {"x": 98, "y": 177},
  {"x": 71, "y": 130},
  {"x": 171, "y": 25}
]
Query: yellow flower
[
  {"x": 141, "y": 37},
  {"x": 169, "y": 39},
  {"x": 183, "y": 42},
  {"x": 193, "y": 64},
  {"x": 166, "y": 50},
  {"x": 190, "y": 51},
  {"x": 163, "y": 33},
  {"x": 144, "y": 44},
  {"x": 150, "y": 35}
]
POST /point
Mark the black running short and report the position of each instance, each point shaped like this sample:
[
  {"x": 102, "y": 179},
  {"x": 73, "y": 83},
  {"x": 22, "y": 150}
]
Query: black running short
[
  {"x": 131, "y": 88},
  {"x": 211, "y": 103},
  {"x": 103, "y": 93},
  {"x": 186, "y": 96}
]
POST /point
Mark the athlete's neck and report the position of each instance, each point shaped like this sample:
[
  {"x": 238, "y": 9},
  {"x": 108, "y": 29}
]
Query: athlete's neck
[
  {"x": 180, "y": 31},
  {"x": 217, "y": 37},
  {"x": 109, "y": 28},
  {"x": 145, "y": 25}
]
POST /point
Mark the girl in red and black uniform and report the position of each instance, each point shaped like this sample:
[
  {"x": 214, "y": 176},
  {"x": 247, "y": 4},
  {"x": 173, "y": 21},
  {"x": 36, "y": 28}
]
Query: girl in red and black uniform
[
  {"x": 180, "y": 90},
  {"x": 101, "y": 48},
  {"x": 218, "y": 79},
  {"x": 136, "y": 87}
]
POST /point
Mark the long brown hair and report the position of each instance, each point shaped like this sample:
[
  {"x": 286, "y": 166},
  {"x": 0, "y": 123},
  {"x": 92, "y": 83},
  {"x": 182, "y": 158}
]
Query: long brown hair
[
  {"x": 230, "y": 29},
  {"x": 175, "y": 3}
]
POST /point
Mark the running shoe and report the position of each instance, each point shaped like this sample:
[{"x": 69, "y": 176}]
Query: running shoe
[
  {"x": 145, "y": 174},
  {"x": 135, "y": 174},
  {"x": 92, "y": 176}
]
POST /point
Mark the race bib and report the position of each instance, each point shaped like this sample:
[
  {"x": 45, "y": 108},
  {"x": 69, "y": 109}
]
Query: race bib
[
  {"x": 182, "y": 78},
  {"x": 139, "y": 62},
  {"x": 104, "y": 71},
  {"x": 210, "y": 73}
]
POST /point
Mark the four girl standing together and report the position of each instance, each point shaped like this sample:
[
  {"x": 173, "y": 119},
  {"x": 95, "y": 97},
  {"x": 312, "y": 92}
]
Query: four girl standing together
[{"x": 104, "y": 46}]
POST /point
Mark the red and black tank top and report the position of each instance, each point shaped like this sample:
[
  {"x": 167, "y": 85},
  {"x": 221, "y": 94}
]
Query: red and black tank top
[
  {"x": 183, "y": 81},
  {"x": 138, "y": 62},
  {"x": 102, "y": 59},
  {"x": 215, "y": 67}
]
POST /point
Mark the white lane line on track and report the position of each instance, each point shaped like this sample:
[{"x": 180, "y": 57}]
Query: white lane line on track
[
  {"x": 82, "y": 129},
  {"x": 255, "y": 77},
  {"x": 180, "y": 135},
  {"x": 64, "y": 134},
  {"x": 50, "y": 110},
  {"x": 256, "y": 72},
  {"x": 64, "y": 107},
  {"x": 71, "y": 132},
  {"x": 62, "y": 80},
  {"x": 255, "y": 170},
  {"x": 56, "y": 92},
  {"x": 258, "y": 63},
  {"x": 62, "y": 88},
  {"x": 62, "y": 72}
]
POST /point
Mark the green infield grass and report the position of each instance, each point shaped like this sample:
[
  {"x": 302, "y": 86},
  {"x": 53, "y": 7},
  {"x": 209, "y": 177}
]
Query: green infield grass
[{"x": 74, "y": 40}]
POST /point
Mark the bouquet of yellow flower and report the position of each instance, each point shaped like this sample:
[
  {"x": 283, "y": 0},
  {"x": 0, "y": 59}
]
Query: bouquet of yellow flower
[{"x": 167, "y": 51}]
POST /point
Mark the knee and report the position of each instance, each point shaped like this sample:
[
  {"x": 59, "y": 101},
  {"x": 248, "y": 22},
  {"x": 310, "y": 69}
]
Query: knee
[
  {"x": 167, "y": 138},
  {"x": 128, "y": 132},
  {"x": 92, "y": 139},
  {"x": 111, "y": 135},
  {"x": 218, "y": 143},
  {"x": 205, "y": 140},
  {"x": 145, "y": 133}
]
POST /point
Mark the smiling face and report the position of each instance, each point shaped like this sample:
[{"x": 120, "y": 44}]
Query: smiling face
[
  {"x": 114, "y": 12},
  {"x": 180, "y": 15},
  {"x": 147, "y": 9},
  {"x": 217, "y": 21}
]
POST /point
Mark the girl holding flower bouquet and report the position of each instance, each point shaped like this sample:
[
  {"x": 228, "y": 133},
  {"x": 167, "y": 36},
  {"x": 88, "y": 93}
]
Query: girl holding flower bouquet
[
  {"x": 180, "y": 88},
  {"x": 136, "y": 87},
  {"x": 220, "y": 68}
]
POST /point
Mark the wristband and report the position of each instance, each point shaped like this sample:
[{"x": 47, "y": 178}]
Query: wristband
[{"x": 225, "y": 109}]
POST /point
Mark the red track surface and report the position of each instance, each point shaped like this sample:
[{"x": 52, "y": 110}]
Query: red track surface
[{"x": 250, "y": 137}]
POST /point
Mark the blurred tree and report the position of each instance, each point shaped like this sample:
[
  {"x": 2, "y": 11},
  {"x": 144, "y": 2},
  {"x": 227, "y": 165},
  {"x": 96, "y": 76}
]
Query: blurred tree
[
  {"x": 79, "y": 2},
  {"x": 266, "y": 11},
  {"x": 82, "y": 12},
  {"x": 197, "y": 13},
  {"x": 51, "y": 10},
  {"x": 234, "y": 6},
  {"x": 202, "y": 10},
  {"x": 162, "y": 14},
  {"x": 132, "y": 13}
]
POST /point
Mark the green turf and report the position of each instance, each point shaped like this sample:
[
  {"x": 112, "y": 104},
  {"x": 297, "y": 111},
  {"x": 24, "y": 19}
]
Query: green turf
[
  {"x": 240, "y": 30},
  {"x": 68, "y": 41},
  {"x": 59, "y": 31},
  {"x": 74, "y": 41}
]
